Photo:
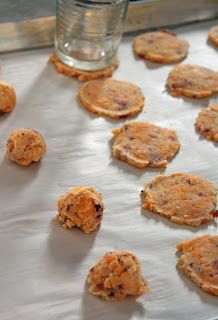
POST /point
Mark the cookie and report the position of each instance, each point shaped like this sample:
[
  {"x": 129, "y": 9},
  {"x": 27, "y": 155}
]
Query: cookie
[
  {"x": 181, "y": 197},
  {"x": 207, "y": 123},
  {"x": 25, "y": 146},
  {"x": 112, "y": 98},
  {"x": 7, "y": 97},
  {"x": 116, "y": 276},
  {"x": 213, "y": 35},
  {"x": 143, "y": 144},
  {"x": 199, "y": 261},
  {"x": 160, "y": 46},
  {"x": 80, "y": 207},
  {"x": 192, "y": 81},
  {"x": 82, "y": 75}
]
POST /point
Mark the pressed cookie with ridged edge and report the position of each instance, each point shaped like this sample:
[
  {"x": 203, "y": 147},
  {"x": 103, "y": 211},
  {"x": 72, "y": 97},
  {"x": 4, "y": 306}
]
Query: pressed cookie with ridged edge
[
  {"x": 143, "y": 144},
  {"x": 112, "y": 98},
  {"x": 207, "y": 122},
  {"x": 199, "y": 261},
  {"x": 160, "y": 46},
  {"x": 83, "y": 75},
  {"x": 192, "y": 81},
  {"x": 181, "y": 197}
]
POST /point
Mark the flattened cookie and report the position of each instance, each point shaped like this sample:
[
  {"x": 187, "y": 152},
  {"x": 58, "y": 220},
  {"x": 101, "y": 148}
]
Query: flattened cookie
[
  {"x": 112, "y": 98},
  {"x": 181, "y": 197},
  {"x": 116, "y": 276},
  {"x": 159, "y": 46},
  {"x": 143, "y": 144},
  {"x": 207, "y": 123},
  {"x": 192, "y": 81},
  {"x": 199, "y": 261},
  {"x": 7, "y": 97},
  {"x": 213, "y": 35},
  {"x": 25, "y": 146},
  {"x": 80, "y": 207},
  {"x": 81, "y": 74}
]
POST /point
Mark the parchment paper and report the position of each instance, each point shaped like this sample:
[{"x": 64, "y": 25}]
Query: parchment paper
[{"x": 43, "y": 266}]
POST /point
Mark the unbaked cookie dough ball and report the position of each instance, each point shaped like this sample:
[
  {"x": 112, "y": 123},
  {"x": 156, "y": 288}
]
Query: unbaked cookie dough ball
[
  {"x": 80, "y": 207},
  {"x": 25, "y": 146},
  {"x": 116, "y": 276},
  {"x": 7, "y": 97}
]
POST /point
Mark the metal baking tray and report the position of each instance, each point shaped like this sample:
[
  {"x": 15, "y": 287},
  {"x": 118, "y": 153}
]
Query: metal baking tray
[
  {"x": 39, "y": 32},
  {"x": 43, "y": 266}
]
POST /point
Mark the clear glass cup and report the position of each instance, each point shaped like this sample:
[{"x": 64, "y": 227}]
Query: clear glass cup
[{"x": 88, "y": 32}]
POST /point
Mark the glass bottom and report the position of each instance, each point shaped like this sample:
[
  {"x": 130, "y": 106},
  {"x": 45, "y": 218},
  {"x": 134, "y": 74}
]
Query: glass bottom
[{"x": 84, "y": 65}]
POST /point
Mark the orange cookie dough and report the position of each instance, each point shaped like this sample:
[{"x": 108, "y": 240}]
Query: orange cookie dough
[
  {"x": 81, "y": 74},
  {"x": 80, "y": 207},
  {"x": 207, "y": 123},
  {"x": 25, "y": 146},
  {"x": 213, "y": 35},
  {"x": 160, "y": 46},
  {"x": 7, "y": 97},
  {"x": 199, "y": 261},
  {"x": 181, "y": 197},
  {"x": 142, "y": 144},
  {"x": 192, "y": 81},
  {"x": 116, "y": 276},
  {"x": 112, "y": 98}
]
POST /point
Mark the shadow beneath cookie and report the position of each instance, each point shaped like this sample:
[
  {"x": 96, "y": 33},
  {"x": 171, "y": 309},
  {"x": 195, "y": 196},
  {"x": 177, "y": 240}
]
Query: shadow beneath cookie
[
  {"x": 192, "y": 287},
  {"x": 196, "y": 102},
  {"x": 96, "y": 308},
  {"x": 201, "y": 138},
  {"x": 160, "y": 219},
  {"x": 4, "y": 116},
  {"x": 68, "y": 247},
  {"x": 17, "y": 176}
]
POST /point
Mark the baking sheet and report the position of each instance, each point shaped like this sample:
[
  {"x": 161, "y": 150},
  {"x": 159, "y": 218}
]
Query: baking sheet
[{"x": 43, "y": 266}]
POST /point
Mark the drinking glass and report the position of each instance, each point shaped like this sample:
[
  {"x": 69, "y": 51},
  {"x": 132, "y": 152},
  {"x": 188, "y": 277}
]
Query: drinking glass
[{"x": 88, "y": 32}]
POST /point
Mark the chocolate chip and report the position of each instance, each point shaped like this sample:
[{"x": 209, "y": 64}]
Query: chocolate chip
[
  {"x": 131, "y": 138},
  {"x": 98, "y": 207}
]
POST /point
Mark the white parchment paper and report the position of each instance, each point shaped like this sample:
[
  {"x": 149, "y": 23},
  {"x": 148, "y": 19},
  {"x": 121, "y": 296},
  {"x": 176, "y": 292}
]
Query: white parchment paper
[{"x": 43, "y": 267}]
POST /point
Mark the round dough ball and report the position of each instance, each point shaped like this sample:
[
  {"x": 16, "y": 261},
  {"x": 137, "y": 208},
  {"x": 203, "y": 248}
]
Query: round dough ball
[
  {"x": 25, "y": 146},
  {"x": 116, "y": 276},
  {"x": 7, "y": 97},
  {"x": 80, "y": 207}
]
